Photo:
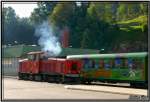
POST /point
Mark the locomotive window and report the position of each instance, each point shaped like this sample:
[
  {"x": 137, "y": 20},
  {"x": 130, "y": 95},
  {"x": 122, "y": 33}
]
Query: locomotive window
[
  {"x": 37, "y": 57},
  {"x": 32, "y": 57}
]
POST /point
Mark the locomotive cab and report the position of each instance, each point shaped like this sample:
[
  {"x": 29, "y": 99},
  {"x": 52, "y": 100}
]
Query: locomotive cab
[
  {"x": 74, "y": 68},
  {"x": 29, "y": 68},
  {"x": 34, "y": 60},
  {"x": 34, "y": 56}
]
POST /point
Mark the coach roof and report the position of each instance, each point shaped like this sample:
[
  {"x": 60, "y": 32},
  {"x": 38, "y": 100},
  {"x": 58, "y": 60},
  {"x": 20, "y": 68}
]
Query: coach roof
[{"x": 123, "y": 55}]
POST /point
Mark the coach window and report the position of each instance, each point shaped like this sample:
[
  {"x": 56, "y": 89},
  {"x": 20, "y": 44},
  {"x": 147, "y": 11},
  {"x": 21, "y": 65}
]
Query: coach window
[
  {"x": 125, "y": 63},
  {"x": 118, "y": 62},
  {"x": 92, "y": 62},
  {"x": 101, "y": 64},
  {"x": 107, "y": 64},
  {"x": 113, "y": 63},
  {"x": 89, "y": 64},
  {"x": 85, "y": 63},
  {"x": 97, "y": 65},
  {"x": 137, "y": 63},
  {"x": 130, "y": 63}
]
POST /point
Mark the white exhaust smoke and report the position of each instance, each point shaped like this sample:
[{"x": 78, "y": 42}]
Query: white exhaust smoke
[{"x": 47, "y": 40}]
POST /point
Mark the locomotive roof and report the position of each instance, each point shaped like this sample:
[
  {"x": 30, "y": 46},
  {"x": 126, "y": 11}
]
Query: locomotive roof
[
  {"x": 61, "y": 59},
  {"x": 123, "y": 55}
]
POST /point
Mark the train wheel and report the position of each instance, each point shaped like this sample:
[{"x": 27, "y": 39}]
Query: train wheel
[
  {"x": 139, "y": 85},
  {"x": 79, "y": 81},
  {"x": 44, "y": 78},
  {"x": 88, "y": 82},
  {"x": 50, "y": 78},
  {"x": 37, "y": 78},
  {"x": 26, "y": 76},
  {"x": 23, "y": 76},
  {"x": 31, "y": 77},
  {"x": 20, "y": 77},
  {"x": 58, "y": 79},
  {"x": 83, "y": 81},
  {"x": 62, "y": 79}
]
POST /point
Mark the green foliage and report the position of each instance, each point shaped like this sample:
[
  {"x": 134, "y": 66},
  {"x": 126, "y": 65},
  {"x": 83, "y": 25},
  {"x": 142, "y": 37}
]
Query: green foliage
[
  {"x": 128, "y": 10},
  {"x": 16, "y": 30},
  {"x": 8, "y": 24},
  {"x": 102, "y": 11},
  {"x": 62, "y": 14},
  {"x": 112, "y": 26},
  {"x": 41, "y": 13},
  {"x": 140, "y": 20}
]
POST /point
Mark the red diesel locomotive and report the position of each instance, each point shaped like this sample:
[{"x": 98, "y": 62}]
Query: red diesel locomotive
[{"x": 38, "y": 67}]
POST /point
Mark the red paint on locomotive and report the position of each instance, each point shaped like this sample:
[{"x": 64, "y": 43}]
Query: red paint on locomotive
[{"x": 51, "y": 66}]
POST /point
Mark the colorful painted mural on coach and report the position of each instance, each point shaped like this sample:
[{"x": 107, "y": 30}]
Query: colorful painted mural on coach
[{"x": 125, "y": 67}]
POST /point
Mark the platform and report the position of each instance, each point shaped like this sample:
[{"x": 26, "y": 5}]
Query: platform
[{"x": 109, "y": 89}]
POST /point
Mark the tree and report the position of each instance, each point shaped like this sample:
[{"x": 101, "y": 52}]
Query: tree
[
  {"x": 78, "y": 24},
  {"x": 9, "y": 19},
  {"x": 74, "y": 17},
  {"x": 16, "y": 29},
  {"x": 102, "y": 11},
  {"x": 41, "y": 13},
  {"x": 24, "y": 32},
  {"x": 62, "y": 14}
]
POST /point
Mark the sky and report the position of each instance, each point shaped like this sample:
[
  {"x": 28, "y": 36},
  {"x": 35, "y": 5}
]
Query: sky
[
  {"x": 22, "y": 9},
  {"x": 25, "y": 9}
]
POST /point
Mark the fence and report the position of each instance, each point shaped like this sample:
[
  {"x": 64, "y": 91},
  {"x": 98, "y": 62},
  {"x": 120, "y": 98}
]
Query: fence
[{"x": 10, "y": 66}]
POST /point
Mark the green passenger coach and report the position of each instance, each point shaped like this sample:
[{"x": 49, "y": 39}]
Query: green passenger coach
[{"x": 121, "y": 67}]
